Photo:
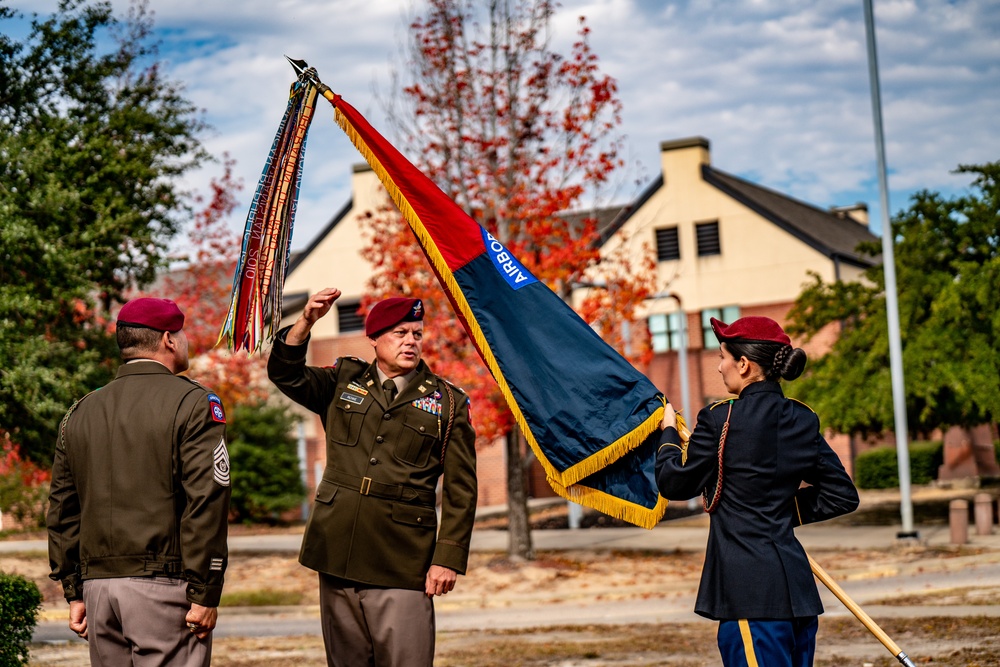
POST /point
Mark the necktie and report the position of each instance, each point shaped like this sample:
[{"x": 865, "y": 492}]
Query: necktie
[{"x": 389, "y": 387}]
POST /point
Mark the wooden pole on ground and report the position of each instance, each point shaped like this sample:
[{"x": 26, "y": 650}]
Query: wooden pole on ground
[{"x": 859, "y": 613}]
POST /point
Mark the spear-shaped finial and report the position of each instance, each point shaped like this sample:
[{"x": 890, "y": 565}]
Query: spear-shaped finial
[
  {"x": 309, "y": 74},
  {"x": 300, "y": 65},
  {"x": 303, "y": 71}
]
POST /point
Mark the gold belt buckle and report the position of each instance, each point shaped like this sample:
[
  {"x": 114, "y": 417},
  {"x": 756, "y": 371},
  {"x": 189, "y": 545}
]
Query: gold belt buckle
[{"x": 366, "y": 485}]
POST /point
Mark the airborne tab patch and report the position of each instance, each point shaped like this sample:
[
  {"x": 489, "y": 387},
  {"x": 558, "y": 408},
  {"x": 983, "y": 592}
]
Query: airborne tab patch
[{"x": 215, "y": 407}]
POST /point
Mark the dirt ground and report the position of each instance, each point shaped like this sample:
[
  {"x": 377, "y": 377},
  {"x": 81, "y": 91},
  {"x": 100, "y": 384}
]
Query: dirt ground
[
  {"x": 943, "y": 642},
  {"x": 495, "y": 581},
  {"x": 963, "y": 638}
]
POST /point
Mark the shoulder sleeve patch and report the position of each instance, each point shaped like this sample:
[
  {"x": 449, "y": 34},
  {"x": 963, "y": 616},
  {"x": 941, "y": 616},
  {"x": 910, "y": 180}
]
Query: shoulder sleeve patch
[{"x": 215, "y": 407}]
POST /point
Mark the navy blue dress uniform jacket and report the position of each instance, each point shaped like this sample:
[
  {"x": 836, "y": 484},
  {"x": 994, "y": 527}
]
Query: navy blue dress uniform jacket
[
  {"x": 374, "y": 519},
  {"x": 755, "y": 568},
  {"x": 141, "y": 485}
]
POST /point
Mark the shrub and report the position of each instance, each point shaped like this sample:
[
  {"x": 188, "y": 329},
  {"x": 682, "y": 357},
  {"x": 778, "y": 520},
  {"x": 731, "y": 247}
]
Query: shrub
[
  {"x": 264, "y": 462},
  {"x": 24, "y": 487},
  {"x": 20, "y": 601},
  {"x": 879, "y": 469}
]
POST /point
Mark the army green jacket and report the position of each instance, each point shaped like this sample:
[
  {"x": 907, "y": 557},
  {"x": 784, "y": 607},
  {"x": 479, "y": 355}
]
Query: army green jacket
[
  {"x": 373, "y": 520},
  {"x": 141, "y": 486}
]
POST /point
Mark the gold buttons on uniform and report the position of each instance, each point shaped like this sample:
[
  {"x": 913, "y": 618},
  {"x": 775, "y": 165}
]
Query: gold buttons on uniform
[
  {"x": 387, "y": 416},
  {"x": 373, "y": 461},
  {"x": 422, "y": 429},
  {"x": 379, "y": 439}
]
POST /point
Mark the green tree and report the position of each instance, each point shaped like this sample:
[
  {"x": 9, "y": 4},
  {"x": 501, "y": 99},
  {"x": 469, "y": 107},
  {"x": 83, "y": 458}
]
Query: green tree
[
  {"x": 948, "y": 267},
  {"x": 93, "y": 141},
  {"x": 264, "y": 461}
]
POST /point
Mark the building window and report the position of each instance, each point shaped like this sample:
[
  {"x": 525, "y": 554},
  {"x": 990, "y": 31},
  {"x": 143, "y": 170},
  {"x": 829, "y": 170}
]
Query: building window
[
  {"x": 665, "y": 331},
  {"x": 667, "y": 244},
  {"x": 727, "y": 314},
  {"x": 349, "y": 319},
  {"x": 707, "y": 234}
]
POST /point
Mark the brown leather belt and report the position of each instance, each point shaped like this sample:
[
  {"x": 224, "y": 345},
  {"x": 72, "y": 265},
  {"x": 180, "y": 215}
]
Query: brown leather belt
[{"x": 366, "y": 486}]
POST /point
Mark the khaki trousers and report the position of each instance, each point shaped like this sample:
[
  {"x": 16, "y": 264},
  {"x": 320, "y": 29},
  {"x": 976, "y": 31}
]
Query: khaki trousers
[
  {"x": 368, "y": 626},
  {"x": 139, "y": 622}
]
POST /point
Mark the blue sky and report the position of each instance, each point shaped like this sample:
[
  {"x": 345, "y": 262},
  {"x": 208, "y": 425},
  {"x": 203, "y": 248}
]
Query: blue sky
[{"x": 780, "y": 88}]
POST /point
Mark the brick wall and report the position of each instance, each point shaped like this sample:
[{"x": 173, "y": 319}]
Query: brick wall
[{"x": 491, "y": 471}]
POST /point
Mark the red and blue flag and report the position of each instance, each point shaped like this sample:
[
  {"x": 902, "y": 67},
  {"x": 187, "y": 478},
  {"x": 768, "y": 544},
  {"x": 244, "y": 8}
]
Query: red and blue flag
[{"x": 591, "y": 418}]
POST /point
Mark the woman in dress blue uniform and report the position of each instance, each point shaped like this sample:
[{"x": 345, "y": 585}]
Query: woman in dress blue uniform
[{"x": 762, "y": 467}]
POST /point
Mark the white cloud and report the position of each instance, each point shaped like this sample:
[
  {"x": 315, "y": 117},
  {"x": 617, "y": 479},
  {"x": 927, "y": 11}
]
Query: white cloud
[{"x": 779, "y": 87}]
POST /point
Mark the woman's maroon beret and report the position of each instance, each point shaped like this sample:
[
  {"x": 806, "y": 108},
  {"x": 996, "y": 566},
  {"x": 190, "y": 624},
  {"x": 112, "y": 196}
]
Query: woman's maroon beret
[{"x": 761, "y": 329}]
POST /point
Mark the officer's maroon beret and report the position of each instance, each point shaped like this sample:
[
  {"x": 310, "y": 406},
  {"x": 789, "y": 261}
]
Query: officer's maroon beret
[
  {"x": 392, "y": 311},
  {"x": 158, "y": 314},
  {"x": 762, "y": 329}
]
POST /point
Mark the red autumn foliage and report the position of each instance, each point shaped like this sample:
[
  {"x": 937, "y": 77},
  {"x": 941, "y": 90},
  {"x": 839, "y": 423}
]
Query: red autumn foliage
[
  {"x": 202, "y": 289},
  {"x": 23, "y": 487},
  {"x": 14, "y": 466},
  {"x": 518, "y": 135}
]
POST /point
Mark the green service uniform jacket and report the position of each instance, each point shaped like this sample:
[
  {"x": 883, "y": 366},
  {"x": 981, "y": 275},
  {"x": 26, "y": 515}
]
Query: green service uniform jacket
[
  {"x": 754, "y": 566},
  {"x": 141, "y": 485},
  {"x": 373, "y": 520}
]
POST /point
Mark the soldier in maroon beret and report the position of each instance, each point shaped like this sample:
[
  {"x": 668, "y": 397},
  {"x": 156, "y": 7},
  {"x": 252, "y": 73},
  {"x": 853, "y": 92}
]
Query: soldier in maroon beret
[
  {"x": 393, "y": 429},
  {"x": 139, "y": 464},
  {"x": 748, "y": 458}
]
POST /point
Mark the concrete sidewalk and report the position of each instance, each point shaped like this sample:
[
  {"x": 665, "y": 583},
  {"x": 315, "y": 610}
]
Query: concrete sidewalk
[
  {"x": 681, "y": 534},
  {"x": 688, "y": 535}
]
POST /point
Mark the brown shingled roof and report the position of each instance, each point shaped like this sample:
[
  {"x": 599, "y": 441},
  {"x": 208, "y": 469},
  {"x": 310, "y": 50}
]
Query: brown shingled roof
[{"x": 836, "y": 236}]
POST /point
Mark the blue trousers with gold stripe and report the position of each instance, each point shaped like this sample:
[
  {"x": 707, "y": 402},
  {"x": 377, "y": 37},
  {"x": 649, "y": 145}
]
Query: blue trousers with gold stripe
[{"x": 768, "y": 643}]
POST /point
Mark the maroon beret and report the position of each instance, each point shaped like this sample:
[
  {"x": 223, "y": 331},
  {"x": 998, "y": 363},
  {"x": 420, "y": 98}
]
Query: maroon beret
[
  {"x": 392, "y": 311},
  {"x": 761, "y": 329},
  {"x": 158, "y": 314}
]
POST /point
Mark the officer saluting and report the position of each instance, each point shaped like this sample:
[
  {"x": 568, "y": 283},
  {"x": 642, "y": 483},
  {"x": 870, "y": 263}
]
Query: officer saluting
[
  {"x": 393, "y": 428},
  {"x": 139, "y": 502},
  {"x": 748, "y": 457}
]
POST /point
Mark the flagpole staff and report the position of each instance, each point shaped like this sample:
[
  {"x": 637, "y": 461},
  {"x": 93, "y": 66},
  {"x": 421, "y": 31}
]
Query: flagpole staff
[{"x": 859, "y": 613}]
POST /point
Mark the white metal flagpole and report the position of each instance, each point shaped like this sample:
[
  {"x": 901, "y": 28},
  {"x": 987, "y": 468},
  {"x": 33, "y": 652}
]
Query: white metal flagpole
[{"x": 891, "y": 300}]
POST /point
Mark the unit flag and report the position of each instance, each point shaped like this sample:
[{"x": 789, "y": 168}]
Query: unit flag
[{"x": 590, "y": 417}]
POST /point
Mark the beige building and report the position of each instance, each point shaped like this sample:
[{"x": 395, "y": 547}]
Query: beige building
[{"x": 725, "y": 248}]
